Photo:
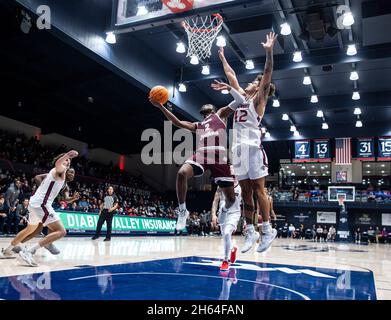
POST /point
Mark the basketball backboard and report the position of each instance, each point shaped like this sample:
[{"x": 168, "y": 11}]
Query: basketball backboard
[
  {"x": 346, "y": 193},
  {"x": 139, "y": 14}
]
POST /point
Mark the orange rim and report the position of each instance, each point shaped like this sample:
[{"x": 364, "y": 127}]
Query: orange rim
[{"x": 201, "y": 30}]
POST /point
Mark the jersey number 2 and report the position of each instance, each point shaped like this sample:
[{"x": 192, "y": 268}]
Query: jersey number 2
[{"x": 242, "y": 117}]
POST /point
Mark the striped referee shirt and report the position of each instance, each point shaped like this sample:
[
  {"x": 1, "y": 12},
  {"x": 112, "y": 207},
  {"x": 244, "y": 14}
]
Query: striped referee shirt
[{"x": 109, "y": 201}]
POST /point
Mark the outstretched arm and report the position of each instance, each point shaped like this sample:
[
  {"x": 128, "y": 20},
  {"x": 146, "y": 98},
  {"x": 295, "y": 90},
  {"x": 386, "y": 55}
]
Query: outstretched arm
[
  {"x": 170, "y": 116},
  {"x": 263, "y": 93},
  {"x": 60, "y": 168},
  {"x": 239, "y": 99},
  {"x": 229, "y": 72}
]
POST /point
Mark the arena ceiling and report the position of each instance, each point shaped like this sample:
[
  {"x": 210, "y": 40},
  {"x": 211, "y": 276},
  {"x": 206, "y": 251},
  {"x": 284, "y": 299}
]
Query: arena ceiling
[{"x": 53, "y": 73}]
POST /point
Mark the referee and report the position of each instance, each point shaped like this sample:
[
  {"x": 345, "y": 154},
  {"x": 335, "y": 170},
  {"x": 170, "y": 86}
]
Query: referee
[{"x": 107, "y": 210}]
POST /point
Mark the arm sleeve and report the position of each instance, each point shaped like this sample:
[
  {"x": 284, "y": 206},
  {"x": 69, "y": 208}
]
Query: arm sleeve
[{"x": 238, "y": 99}]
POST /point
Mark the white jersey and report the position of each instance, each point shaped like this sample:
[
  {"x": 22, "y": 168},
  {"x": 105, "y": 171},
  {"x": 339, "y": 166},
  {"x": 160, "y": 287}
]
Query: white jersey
[
  {"x": 47, "y": 191},
  {"x": 246, "y": 126}
]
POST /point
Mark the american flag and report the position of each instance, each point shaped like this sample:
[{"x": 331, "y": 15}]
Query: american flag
[{"x": 343, "y": 151}]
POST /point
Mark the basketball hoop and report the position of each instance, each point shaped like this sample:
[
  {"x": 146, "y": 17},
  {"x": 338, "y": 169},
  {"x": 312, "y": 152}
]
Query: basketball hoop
[{"x": 201, "y": 32}]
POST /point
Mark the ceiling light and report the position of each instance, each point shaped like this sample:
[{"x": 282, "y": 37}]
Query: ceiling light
[
  {"x": 312, "y": 166},
  {"x": 325, "y": 126},
  {"x": 285, "y": 117},
  {"x": 205, "y": 70},
  {"x": 358, "y": 124},
  {"x": 180, "y": 47},
  {"x": 182, "y": 87},
  {"x": 142, "y": 10},
  {"x": 110, "y": 38},
  {"x": 348, "y": 19},
  {"x": 383, "y": 165},
  {"x": 276, "y": 103},
  {"x": 285, "y": 29},
  {"x": 297, "y": 56},
  {"x": 368, "y": 171},
  {"x": 354, "y": 76},
  {"x": 307, "y": 80},
  {"x": 194, "y": 60},
  {"x": 267, "y": 135},
  {"x": 221, "y": 41},
  {"x": 293, "y": 128},
  {"x": 352, "y": 50},
  {"x": 303, "y": 167},
  {"x": 356, "y": 95},
  {"x": 249, "y": 64},
  {"x": 357, "y": 111},
  {"x": 296, "y": 134},
  {"x": 320, "y": 114}
]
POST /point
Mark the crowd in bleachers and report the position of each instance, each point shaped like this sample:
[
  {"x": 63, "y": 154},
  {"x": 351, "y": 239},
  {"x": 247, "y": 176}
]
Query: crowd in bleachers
[
  {"x": 136, "y": 197},
  {"x": 316, "y": 194}
]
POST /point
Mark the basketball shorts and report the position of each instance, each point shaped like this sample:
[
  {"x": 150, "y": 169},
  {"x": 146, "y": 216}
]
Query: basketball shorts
[
  {"x": 221, "y": 171},
  {"x": 250, "y": 162},
  {"x": 46, "y": 215}
]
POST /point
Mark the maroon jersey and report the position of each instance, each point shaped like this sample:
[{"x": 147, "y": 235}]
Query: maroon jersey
[
  {"x": 212, "y": 135},
  {"x": 211, "y": 152}
]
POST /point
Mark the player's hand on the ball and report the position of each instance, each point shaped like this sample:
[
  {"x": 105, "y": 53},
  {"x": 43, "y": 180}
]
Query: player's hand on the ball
[
  {"x": 155, "y": 103},
  {"x": 73, "y": 154},
  {"x": 219, "y": 86}
]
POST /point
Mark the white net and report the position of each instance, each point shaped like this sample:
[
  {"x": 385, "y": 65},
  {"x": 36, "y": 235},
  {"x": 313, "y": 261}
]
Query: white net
[{"x": 201, "y": 32}]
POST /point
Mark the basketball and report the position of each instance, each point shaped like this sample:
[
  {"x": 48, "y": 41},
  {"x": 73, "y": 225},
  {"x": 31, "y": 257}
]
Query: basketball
[{"x": 159, "y": 94}]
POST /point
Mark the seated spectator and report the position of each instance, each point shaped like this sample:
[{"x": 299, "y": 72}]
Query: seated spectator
[
  {"x": 285, "y": 230},
  {"x": 371, "y": 235},
  {"x": 331, "y": 234},
  {"x": 319, "y": 233},
  {"x": 22, "y": 213},
  {"x": 3, "y": 213},
  {"x": 291, "y": 231},
  {"x": 377, "y": 234},
  {"x": 301, "y": 232},
  {"x": 325, "y": 232}
]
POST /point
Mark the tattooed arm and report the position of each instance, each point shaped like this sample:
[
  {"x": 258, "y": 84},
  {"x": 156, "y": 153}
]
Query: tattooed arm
[{"x": 264, "y": 87}]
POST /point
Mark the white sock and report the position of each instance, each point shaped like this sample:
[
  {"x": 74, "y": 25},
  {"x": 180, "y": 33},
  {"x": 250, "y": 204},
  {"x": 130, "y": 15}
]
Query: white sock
[
  {"x": 34, "y": 248},
  {"x": 266, "y": 227},
  {"x": 182, "y": 206},
  {"x": 227, "y": 241},
  {"x": 250, "y": 228}
]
